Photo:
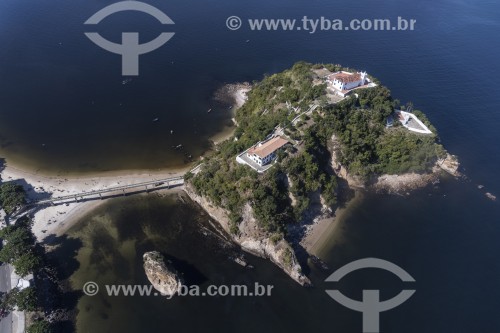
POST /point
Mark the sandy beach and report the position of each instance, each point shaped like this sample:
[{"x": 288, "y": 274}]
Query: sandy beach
[
  {"x": 56, "y": 219},
  {"x": 321, "y": 233}
]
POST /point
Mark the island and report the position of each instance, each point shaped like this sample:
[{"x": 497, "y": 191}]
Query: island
[
  {"x": 303, "y": 136},
  {"x": 304, "y": 140},
  {"x": 162, "y": 275}
]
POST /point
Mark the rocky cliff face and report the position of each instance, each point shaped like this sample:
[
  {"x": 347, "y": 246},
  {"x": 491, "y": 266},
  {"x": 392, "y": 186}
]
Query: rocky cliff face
[
  {"x": 253, "y": 240},
  {"x": 401, "y": 183},
  {"x": 162, "y": 276},
  {"x": 340, "y": 170}
]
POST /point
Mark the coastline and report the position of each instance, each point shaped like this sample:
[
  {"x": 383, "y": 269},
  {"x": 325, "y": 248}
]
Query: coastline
[
  {"x": 234, "y": 94},
  {"x": 56, "y": 220},
  {"x": 323, "y": 231}
]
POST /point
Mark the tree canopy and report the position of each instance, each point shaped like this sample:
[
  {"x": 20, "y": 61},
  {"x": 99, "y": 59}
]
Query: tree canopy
[
  {"x": 12, "y": 196},
  {"x": 19, "y": 247}
]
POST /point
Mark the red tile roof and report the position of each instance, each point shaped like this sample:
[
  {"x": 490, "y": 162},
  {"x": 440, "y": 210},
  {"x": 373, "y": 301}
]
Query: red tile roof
[
  {"x": 268, "y": 147},
  {"x": 345, "y": 77}
]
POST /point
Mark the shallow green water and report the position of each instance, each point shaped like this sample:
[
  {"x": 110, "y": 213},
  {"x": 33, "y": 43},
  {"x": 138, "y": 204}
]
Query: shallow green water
[
  {"x": 110, "y": 243},
  {"x": 406, "y": 230}
]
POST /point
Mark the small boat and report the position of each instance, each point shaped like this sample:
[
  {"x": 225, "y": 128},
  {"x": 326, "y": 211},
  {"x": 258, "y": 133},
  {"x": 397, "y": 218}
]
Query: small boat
[
  {"x": 155, "y": 120},
  {"x": 171, "y": 131},
  {"x": 247, "y": 41},
  {"x": 209, "y": 110}
]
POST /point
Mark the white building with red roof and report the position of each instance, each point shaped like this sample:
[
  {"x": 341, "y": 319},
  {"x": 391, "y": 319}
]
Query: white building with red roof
[
  {"x": 264, "y": 152},
  {"x": 260, "y": 156},
  {"x": 343, "y": 82}
]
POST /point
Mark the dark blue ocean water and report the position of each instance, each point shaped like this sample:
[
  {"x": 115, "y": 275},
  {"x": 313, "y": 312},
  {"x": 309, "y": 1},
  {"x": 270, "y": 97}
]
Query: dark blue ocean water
[{"x": 57, "y": 88}]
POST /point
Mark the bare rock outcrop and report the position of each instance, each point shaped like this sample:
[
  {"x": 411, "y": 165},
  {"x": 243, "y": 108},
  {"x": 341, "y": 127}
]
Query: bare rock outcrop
[
  {"x": 450, "y": 164},
  {"x": 162, "y": 276},
  {"x": 253, "y": 239},
  {"x": 404, "y": 183}
]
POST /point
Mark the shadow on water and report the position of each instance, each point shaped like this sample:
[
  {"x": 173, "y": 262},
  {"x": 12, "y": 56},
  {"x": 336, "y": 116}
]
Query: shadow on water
[
  {"x": 298, "y": 232},
  {"x": 108, "y": 248},
  {"x": 53, "y": 281},
  {"x": 67, "y": 247},
  {"x": 191, "y": 275}
]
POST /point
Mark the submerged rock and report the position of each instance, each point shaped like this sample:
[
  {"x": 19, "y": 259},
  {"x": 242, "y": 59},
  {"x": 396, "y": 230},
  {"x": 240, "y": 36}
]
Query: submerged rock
[
  {"x": 162, "y": 276},
  {"x": 491, "y": 196}
]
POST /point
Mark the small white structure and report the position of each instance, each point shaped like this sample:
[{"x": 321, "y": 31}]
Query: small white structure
[
  {"x": 23, "y": 284},
  {"x": 412, "y": 123},
  {"x": 264, "y": 152},
  {"x": 343, "y": 82}
]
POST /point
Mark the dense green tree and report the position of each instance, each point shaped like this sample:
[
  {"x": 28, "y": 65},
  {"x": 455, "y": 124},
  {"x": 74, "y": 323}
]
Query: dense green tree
[
  {"x": 24, "y": 300},
  {"x": 17, "y": 241},
  {"x": 26, "y": 263},
  {"x": 39, "y": 326},
  {"x": 12, "y": 196},
  {"x": 19, "y": 247}
]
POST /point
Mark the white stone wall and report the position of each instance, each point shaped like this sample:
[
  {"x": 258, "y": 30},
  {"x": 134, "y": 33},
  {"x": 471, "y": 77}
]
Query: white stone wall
[{"x": 261, "y": 161}]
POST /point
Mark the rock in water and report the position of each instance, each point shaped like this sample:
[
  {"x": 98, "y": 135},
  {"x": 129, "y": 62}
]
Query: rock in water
[
  {"x": 162, "y": 276},
  {"x": 491, "y": 196},
  {"x": 450, "y": 164}
]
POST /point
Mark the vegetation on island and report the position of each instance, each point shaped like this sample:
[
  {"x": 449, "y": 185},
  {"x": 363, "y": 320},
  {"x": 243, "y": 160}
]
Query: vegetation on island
[
  {"x": 367, "y": 147},
  {"x": 281, "y": 195}
]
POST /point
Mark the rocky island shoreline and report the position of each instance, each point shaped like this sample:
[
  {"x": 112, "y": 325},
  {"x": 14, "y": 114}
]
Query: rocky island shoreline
[
  {"x": 161, "y": 274},
  {"x": 307, "y": 194},
  {"x": 280, "y": 214}
]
